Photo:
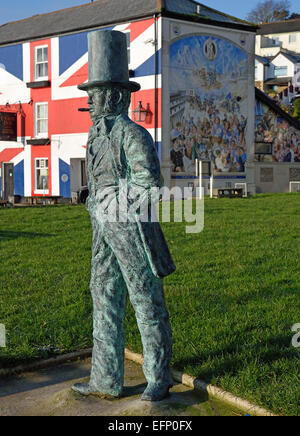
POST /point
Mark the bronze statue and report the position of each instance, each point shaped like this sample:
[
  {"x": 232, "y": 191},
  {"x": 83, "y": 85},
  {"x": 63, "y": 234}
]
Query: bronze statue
[{"x": 127, "y": 255}]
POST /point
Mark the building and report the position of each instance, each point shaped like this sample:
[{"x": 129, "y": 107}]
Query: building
[
  {"x": 196, "y": 70},
  {"x": 279, "y": 75},
  {"x": 277, "y": 64},
  {"x": 262, "y": 71},
  {"x": 272, "y": 37}
]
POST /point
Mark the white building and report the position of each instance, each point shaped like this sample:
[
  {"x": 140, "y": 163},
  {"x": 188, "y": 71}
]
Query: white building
[
  {"x": 277, "y": 66},
  {"x": 272, "y": 37}
]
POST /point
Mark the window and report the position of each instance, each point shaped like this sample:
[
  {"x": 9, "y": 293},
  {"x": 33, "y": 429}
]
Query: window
[
  {"x": 256, "y": 72},
  {"x": 280, "y": 71},
  {"x": 292, "y": 38},
  {"x": 41, "y": 63},
  {"x": 41, "y": 120},
  {"x": 41, "y": 182}
]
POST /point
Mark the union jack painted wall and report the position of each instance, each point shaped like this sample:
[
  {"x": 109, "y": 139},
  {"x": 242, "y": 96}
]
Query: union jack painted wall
[{"x": 67, "y": 127}]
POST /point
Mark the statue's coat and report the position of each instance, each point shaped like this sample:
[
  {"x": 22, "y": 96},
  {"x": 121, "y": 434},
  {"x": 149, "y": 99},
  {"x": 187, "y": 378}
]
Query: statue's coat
[{"x": 124, "y": 150}]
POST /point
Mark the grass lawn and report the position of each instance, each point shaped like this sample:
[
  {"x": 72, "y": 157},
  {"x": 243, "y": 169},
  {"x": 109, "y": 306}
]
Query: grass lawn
[{"x": 233, "y": 299}]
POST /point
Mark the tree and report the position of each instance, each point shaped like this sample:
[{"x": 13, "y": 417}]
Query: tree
[
  {"x": 296, "y": 113},
  {"x": 267, "y": 11},
  {"x": 293, "y": 16}
]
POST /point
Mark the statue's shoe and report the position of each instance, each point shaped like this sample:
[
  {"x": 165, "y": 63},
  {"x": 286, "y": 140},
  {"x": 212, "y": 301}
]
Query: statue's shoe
[
  {"x": 86, "y": 389},
  {"x": 155, "y": 392}
]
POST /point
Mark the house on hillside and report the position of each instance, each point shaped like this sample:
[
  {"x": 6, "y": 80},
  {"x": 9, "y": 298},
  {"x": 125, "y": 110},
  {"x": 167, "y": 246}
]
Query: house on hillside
[
  {"x": 272, "y": 37},
  {"x": 262, "y": 71},
  {"x": 283, "y": 76},
  {"x": 278, "y": 59}
]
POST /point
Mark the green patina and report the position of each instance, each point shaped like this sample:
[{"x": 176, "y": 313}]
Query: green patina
[{"x": 130, "y": 256}]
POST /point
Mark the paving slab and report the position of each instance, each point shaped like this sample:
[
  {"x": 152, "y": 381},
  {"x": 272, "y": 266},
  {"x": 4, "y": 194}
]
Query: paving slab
[{"x": 47, "y": 392}]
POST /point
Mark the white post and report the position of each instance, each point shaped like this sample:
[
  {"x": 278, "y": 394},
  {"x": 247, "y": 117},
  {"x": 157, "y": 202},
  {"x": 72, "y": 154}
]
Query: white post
[
  {"x": 197, "y": 167},
  {"x": 211, "y": 185},
  {"x": 200, "y": 178}
]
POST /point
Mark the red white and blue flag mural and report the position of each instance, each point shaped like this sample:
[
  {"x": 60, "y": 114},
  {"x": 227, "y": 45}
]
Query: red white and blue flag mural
[{"x": 67, "y": 127}]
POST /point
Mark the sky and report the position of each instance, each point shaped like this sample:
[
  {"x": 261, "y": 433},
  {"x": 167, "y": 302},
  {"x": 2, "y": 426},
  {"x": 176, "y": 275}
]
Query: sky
[{"x": 18, "y": 9}]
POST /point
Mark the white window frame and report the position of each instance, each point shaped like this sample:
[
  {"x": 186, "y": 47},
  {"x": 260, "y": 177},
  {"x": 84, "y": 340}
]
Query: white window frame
[
  {"x": 281, "y": 67},
  {"x": 42, "y": 134},
  {"x": 36, "y": 78},
  {"x": 292, "y": 38},
  {"x": 40, "y": 191}
]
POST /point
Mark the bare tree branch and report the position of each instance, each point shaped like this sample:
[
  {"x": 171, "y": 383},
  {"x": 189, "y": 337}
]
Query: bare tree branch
[{"x": 267, "y": 11}]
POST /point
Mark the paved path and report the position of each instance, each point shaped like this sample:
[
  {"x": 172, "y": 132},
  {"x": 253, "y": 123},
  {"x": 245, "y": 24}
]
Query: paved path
[{"x": 47, "y": 393}]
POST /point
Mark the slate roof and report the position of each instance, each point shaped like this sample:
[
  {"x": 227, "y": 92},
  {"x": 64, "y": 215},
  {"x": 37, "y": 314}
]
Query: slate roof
[
  {"x": 290, "y": 55},
  {"x": 293, "y": 57},
  {"x": 106, "y": 12},
  {"x": 263, "y": 60},
  {"x": 287, "y": 26}
]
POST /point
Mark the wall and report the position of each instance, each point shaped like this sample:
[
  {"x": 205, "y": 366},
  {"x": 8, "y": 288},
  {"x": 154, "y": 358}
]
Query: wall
[
  {"x": 260, "y": 71},
  {"x": 209, "y": 74},
  {"x": 68, "y": 67},
  {"x": 282, "y": 61},
  {"x": 275, "y": 178},
  {"x": 274, "y": 171},
  {"x": 283, "y": 38}
]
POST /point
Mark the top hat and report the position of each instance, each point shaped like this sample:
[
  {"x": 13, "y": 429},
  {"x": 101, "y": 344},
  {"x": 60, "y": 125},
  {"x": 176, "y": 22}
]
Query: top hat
[{"x": 108, "y": 61}]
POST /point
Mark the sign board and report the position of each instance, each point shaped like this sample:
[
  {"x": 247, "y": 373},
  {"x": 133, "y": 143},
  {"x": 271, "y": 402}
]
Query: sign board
[
  {"x": 8, "y": 126},
  {"x": 206, "y": 168},
  {"x": 263, "y": 148}
]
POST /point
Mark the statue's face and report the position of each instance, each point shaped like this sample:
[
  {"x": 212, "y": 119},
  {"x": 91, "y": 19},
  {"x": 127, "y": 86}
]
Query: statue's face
[{"x": 96, "y": 102}]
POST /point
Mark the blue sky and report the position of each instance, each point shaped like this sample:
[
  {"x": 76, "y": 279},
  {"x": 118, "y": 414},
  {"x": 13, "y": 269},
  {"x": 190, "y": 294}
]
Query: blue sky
[
  {"x": 18, "y": 9},
  {"x": 240, "y": 9}
]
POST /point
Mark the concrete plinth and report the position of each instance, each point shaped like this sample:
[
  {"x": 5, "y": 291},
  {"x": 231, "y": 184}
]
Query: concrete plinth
[{"x": 48, "y": 393}]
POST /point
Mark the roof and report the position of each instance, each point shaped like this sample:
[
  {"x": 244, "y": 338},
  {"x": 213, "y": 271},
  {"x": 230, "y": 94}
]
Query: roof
[
  {"x": 262, "y": 60},
  {"x": 271, "y": 103},
  {"x": 279, "y": 81},
  {"x": 287, "y": 26},
  {"x": 293, "y": 57},
  {"x": 106, "y": 12}
]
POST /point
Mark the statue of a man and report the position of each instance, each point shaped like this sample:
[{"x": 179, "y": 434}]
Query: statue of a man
[{"x": 129, "y": 256}]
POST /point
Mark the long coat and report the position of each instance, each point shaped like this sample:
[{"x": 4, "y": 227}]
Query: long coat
[{"x": 118, "y": 149}]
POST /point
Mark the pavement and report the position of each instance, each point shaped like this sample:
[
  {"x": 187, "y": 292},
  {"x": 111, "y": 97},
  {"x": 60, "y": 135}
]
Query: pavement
[{"x": 47, "y": 392}]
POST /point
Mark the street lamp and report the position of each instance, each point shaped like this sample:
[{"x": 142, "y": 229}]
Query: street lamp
[{"x": 140, "y": 114}]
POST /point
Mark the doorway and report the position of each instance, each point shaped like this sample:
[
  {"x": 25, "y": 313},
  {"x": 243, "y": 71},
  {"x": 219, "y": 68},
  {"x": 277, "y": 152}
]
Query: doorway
[{"x": 8, "y": 180}]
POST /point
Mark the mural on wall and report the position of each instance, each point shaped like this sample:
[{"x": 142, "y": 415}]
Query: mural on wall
[
  {"x": 208, "y": 104},
  {"x": 275, "y": 139}
]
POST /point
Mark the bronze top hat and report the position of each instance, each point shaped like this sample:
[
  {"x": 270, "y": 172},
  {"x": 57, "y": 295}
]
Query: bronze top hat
[{"x": 108, "y": 61}]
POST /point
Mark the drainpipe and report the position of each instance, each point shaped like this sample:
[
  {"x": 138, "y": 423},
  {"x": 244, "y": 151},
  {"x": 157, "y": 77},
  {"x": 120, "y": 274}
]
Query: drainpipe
[{"x": 155, "y": 80}]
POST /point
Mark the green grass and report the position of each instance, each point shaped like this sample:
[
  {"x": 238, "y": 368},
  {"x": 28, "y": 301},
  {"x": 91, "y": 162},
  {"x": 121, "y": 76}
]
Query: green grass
[{"x": 233, "y": 299}]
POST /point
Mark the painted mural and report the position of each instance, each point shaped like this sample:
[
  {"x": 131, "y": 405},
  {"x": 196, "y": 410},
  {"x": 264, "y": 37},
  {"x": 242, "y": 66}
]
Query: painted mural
[
  {"x": 208, "y": 110},
  {"x": 275, "y": 139}
]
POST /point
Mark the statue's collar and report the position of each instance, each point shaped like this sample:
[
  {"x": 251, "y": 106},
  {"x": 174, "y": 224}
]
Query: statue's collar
[{"x": 105, "y": 123}]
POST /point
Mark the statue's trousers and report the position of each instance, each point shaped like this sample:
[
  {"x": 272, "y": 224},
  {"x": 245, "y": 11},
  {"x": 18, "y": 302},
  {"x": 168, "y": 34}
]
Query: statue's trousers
[{"x": 119, "y": 265}]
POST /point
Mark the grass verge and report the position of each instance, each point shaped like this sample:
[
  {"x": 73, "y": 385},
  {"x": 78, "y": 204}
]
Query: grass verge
[{"x": 233, "y": 299}]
